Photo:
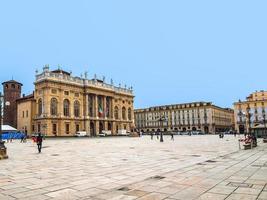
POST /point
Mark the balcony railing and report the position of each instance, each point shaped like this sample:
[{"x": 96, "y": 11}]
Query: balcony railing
[{"x": 81, "y": 82}]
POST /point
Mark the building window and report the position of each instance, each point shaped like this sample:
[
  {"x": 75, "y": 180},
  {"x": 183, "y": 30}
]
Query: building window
[
  {"x": 6, "y": 86},
  {"x": 76, "y": 109},
  {"x": 66, "y": 93},
  {"x": 67, "y": 128},
  {"x": 116, "y": 112},
  {"x": 53, "y": 106},
  {"x": 33, "y": 128},
  {"x": 76, "y": 94},
  {"x": 54, "y": 91},
  {"x": 123, "y": 112},
  {"x": 40, "y": 107},
  {"x": 129, "y": 114},
  {"x": 22, "y": 114},
  {"x": 66, "y": 108},
  {"x": 91, "y": 105},
  {"x": 27, "y": 113},
  {"x": 54, "y": 129},
  {"x": 13, "y": 86},
  {"x": 77, "y": 128}
]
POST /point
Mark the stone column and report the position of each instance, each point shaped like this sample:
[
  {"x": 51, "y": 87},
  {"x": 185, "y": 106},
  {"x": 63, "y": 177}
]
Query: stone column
[
  {"x": 97, "y": 128},
  {"x": 96, "y": 106},
  {"x": 86, "y": 106},
  {"x": 105, "y": 125},
  {"x": 104, "y": 107},
  {"x": 114, "y": 128},
  {"x": 86, "y": 113},
  {"x": 112, "y": 108}
]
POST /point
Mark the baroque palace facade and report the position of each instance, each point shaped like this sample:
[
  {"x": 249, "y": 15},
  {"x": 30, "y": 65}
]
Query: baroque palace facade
[
  {"x": 63, "y": 105},
  {"x": 196, "y": 116},
  {"x": 251, "y": 113}
]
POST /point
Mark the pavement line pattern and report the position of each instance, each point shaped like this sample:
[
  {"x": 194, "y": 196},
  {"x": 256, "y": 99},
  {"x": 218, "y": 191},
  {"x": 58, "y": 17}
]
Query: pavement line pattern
[{"x": 197, "y": 167}]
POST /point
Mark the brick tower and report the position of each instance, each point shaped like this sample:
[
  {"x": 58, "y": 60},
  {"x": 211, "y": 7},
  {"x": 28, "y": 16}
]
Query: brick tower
[{"x": 12, "y": 92}]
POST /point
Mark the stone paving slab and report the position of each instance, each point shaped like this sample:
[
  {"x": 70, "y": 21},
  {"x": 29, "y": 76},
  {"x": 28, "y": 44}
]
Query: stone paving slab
[{"x": 197, "y": 167}]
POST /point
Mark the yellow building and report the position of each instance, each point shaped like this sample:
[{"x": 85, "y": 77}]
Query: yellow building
[
  {"x": 25, "y": 113},
  {"x": 65, "y": 105},
  {"x": 251, "y": 113},
  {"x": 196, "y": 116}
]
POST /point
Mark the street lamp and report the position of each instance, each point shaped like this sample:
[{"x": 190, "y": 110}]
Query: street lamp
[
  {"x": 264, "y": 124},
  {"x": 241, "y": 115},
  {"x": 161, "y": 120},
  {"x": 249, "y": 120},
  {"x": 3, "y": 154}
]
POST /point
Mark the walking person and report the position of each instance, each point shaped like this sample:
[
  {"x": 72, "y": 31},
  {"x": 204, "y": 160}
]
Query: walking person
[
  {"x": 22, "y": 138},
  {"x": 151, "y": 134},
  {"x": 25, "y": 136},
  {"x": 172, "y": 138},
  {"x": 235, "y": 133},
  {"x": 39, "y": 141}
]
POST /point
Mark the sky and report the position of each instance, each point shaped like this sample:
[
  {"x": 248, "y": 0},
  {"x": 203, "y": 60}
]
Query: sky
[{"x": 170, "y": 51}]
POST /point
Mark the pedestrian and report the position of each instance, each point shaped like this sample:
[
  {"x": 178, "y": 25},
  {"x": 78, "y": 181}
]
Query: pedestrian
[
  {"x": 22, "y": 137},
  {"x": 172, "y": 138},
  {"x": 151, "y": 134},
  {"x": 39, "y": 141},
  {"x": 157, "y": 135},
  {"x": 25, "y": 136},
  {"x": 235, "y": 133}
]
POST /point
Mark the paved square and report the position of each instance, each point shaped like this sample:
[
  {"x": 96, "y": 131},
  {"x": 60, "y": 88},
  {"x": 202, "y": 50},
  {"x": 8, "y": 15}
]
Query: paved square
[{"x": 196, "y": 167}]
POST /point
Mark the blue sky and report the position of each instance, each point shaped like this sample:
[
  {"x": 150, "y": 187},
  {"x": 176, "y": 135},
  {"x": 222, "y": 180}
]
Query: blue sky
[{"x": 170, "y": 51}]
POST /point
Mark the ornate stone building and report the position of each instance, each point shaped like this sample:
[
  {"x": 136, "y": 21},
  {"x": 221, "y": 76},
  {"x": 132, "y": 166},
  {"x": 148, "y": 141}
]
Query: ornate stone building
[
  {"x": 197, "y": 116},
  {"x": 65, "y": 105},
  {"x": 251, "y": 113}
]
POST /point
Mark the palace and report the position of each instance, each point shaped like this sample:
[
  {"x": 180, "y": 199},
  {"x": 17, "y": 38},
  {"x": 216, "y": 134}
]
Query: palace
[
  {"x": 251, "y": 114},
  {"x": 196, "y": 116},
  {"x": 62, "y": 105}
]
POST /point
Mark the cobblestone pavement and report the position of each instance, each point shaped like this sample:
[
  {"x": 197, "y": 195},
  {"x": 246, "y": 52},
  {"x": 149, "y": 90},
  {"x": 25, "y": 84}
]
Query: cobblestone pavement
[{"x": 196, "y": 167}]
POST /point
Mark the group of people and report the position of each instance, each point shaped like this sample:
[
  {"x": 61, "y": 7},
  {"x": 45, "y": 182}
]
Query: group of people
[
  {"x": 158, "y": 134},
  {"x": 23, "y": 138}
]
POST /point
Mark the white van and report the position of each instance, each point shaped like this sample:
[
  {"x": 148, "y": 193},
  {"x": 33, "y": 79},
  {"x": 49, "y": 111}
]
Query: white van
[
  {"x": 123, "y": 132},
  {"x": 81, "y": 134},
  {"x": 105, "y": 133}
]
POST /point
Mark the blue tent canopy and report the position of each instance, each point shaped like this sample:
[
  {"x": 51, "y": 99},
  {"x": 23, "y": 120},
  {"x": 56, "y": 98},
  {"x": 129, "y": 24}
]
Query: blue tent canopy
[{"x": 12, "y": 135}]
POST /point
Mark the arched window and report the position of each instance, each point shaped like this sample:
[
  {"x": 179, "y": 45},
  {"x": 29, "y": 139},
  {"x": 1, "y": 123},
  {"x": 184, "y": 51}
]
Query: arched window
[
  {"x": 40, "y": 107},
  {"x": 123, "y": 113},
  {"x": 76, "y": 109},
  {"x": 66, "y": 107},
  {"x": 116, "y": 112},
  {"x": 53, "y": 106},
  {"x": 129, "y": 114}
]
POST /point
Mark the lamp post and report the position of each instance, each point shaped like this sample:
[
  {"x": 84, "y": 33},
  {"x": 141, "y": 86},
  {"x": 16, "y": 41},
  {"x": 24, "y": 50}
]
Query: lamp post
[
  {"x": 241, "y": 115},
  {"x": 249, "y": 120},
  {"x": 264, "y": 124},
  {"x": 3, "y": 154},
  {"x": 161, "y": 120}
]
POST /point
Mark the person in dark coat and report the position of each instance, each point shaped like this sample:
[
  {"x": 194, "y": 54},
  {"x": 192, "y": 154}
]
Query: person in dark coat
[
  {"x": 22, "y": 138},
  {"x": 172, "y": 138},
  {"x": 39, "y": 141}
]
